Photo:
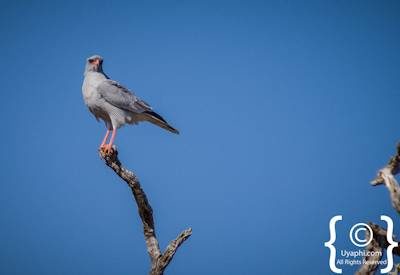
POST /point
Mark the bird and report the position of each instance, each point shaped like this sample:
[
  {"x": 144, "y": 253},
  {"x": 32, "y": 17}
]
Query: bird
[{"x": 114, "y": 104}]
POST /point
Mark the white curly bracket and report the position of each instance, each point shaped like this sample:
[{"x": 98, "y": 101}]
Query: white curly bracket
[
  {"x": 329, "y": 244},
  {"x": 393, "y": 244}
]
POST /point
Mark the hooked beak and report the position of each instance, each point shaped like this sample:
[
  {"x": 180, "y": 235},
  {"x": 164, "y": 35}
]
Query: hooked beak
[{"x": 96, "y": 63}]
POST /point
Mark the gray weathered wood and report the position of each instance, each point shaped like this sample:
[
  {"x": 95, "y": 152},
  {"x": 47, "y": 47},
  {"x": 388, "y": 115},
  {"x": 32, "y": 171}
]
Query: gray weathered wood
[
  {"x": 159, "y": 261},
  {"x": 386, "y": 176},
  {"x": 378, "y": 244},
  {"x": 379, "y": 241}
]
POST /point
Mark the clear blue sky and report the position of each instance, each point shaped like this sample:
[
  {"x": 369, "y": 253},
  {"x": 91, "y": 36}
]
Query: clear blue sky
[{"x": 286, "y": 109}]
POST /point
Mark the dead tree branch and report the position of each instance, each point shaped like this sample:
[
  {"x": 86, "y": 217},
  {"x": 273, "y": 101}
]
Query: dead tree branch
[
  {"x": 375, "y": 248},
  {"x": 386, "y": 176},
  {"x": 379, "y": 241},
  {"x": 159, "y": 261},
  {"x": 393, "y": 166}
]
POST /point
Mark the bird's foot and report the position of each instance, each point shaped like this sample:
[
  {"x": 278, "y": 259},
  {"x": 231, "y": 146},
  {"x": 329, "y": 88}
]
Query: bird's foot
[{"x": 106, "y": 149}]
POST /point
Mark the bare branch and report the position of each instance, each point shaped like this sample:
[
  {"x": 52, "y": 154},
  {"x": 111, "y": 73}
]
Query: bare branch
[
  {"x": 379, "y": 241},
  {"x": 169, "y": 252},
  {"x": 393, "y": 187},
  {"x": 393, "y": 166},
  {"x": 174, "y": 245},
  {"x": 386, "y": 176},
  {"x": 375, "y": 248},
  {"x": 159, "y": 261},
  {"x": 371, "y": 262}
]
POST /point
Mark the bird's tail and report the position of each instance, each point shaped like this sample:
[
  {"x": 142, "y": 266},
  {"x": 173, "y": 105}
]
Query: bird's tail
[{"x": 158, "y": 120}]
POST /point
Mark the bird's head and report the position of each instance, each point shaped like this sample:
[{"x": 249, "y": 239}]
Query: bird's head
[{"x": 94, "y": 64}]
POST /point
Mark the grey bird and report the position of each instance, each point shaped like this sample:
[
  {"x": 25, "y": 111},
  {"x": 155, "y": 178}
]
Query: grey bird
[{"x": 114, "y": 104}]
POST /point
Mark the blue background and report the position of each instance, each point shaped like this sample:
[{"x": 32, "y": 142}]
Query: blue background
[{"x": 286, "y": 110}]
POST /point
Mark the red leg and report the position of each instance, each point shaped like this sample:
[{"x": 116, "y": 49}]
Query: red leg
[
  {"x": 105, "y": 139},
  {"x": 110, "y": 144}
]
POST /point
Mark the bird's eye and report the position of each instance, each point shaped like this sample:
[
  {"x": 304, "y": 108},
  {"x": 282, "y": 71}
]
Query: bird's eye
[{"x": 91, "y": 60}]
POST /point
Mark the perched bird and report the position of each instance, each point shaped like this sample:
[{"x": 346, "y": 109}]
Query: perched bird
[{"x": 114, "y": 104}]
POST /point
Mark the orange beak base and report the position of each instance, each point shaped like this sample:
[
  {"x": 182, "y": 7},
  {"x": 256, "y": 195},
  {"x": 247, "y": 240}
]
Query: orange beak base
[{"x": 96, "y": 63}]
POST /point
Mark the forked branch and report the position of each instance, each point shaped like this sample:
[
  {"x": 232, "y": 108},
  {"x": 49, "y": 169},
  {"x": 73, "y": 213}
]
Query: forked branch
[{"x": 159, "y": 261}]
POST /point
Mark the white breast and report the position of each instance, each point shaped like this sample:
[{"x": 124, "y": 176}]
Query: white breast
[{"x": 89, "y": 87}]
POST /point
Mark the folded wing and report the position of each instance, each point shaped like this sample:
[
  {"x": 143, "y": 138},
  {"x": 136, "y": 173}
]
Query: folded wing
[{"x": 119, "y": 96}]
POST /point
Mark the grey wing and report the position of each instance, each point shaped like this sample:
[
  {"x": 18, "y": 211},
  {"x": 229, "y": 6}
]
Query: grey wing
[{"x": 119, "y": 96}]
